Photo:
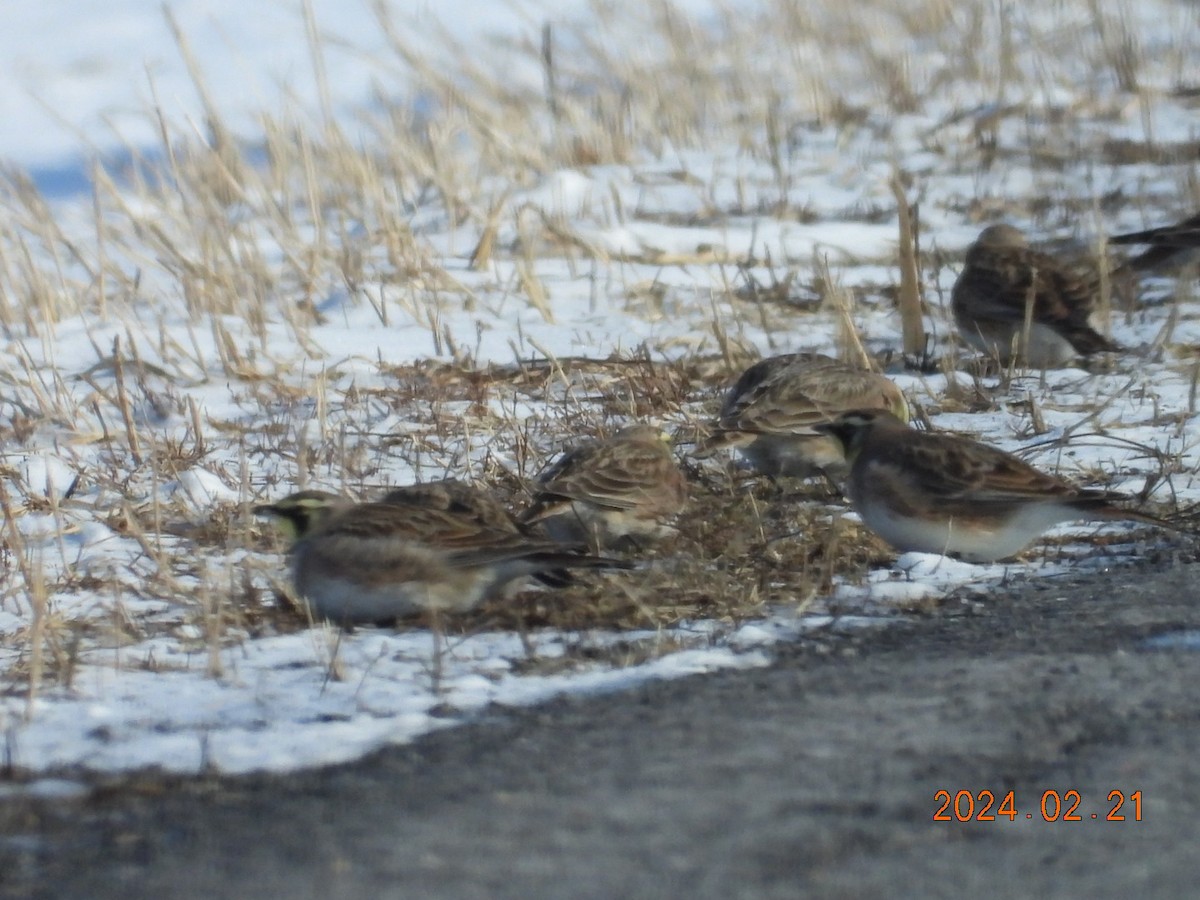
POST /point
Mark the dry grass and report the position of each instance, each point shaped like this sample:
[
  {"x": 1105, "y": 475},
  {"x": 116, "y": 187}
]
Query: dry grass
[
  {"x": 252, "y": 240},
  {"x": 742, "y": 543}
]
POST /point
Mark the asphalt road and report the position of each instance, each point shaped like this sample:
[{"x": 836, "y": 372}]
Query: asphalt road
[{"x": 817, "y": 775}]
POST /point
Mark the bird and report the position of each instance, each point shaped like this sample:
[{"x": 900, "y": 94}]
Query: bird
[
  {"x": 1007, "y": 287},
  {"x": 1171, "y": 246},
  {"x": 477, "y": 504},
  {"x": 609, "y": 493},
  {"x": 356, "y": 563},
  {"x": 770, "y": 412},
  {"x": 458, "y": 497},
  {"x": 940, "y": 493}
]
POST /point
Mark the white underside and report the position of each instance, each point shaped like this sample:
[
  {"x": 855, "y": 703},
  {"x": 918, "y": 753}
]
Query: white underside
[
  {"x": 345, "y": 602},
  {"x": 795, "y": 456},
  {"x": 1047, "y": 348},
  {"x": 971, "y": 540}
]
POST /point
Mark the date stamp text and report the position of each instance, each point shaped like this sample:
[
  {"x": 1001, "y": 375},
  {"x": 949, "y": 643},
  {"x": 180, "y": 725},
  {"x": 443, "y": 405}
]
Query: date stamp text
[{"x": 1054, "y": 806}]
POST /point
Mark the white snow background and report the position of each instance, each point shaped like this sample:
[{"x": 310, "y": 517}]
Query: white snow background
[{"x": 89, "y": 83}]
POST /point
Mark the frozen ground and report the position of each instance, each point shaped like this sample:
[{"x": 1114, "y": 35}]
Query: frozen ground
[{"x": 130, "y": 415}]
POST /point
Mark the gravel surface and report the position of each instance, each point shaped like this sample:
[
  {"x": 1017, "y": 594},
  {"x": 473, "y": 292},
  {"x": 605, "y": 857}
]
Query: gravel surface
[{"x": 815, "y": 775}]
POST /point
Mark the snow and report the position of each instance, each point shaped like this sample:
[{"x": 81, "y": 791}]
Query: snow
[{"x": 666, "y": 235}]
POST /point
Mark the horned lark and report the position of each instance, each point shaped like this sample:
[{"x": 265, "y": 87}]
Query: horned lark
[
  {"x": 937, "y": 493},
  {"x": 376, "y": 562},
  {"x": 1171, "y": 246},
  {"x": 1010, "y": 298},
  {"x": 476, "y": 504},
  {"x": 457, "y": 497},
  {"x": 771, "y": 412},
  {"x": 609, "y": 492}
]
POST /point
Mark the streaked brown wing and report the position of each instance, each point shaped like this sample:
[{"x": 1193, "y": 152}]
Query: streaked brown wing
[
  {"x": 618, "y": 475},
  {"x": 807, "y": 393},
  {"x": 765, "y": 374},
  {"x": 947, "y": 468},
  {"x": 431, "y": 527},
  {"x": 1001, "y": 281},
  {"x": 458, "y": 498}
]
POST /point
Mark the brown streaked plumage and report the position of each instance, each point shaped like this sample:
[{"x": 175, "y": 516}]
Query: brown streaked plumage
[
  {"x": 613, "y": 491},
  {"x": 457, "y": 497},
  {"x": 771, "y": 412},
  {"x": 1171, "y": 246},
  {"x": 939, "y": 493},
  {"x": 476, "y": 504},
  {"x": 1002, "y": 276},
  {"x": 376, "y": 562}
]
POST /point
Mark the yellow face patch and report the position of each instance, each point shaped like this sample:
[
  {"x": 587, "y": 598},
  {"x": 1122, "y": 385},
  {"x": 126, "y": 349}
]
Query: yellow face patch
[
  {"x": 287, "y": 527},
  {"x": 300, "y": 514}
]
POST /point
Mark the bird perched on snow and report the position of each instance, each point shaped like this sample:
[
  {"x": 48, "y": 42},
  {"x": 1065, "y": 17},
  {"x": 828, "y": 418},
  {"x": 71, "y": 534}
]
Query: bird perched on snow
[
  {"x": 939, "y": 493},
  {"x": 609, "y": 492},
  {"x": 376, "y": 562},
  {"x": 1013, "y": 302},
  {"x": 771, "y": 413}
]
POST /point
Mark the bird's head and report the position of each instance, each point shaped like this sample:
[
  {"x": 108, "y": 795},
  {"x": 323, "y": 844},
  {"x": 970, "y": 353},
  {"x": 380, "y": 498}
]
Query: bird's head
[
  {"x": 303, "y": 512},
  {"x": 851, "y": 429}
]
